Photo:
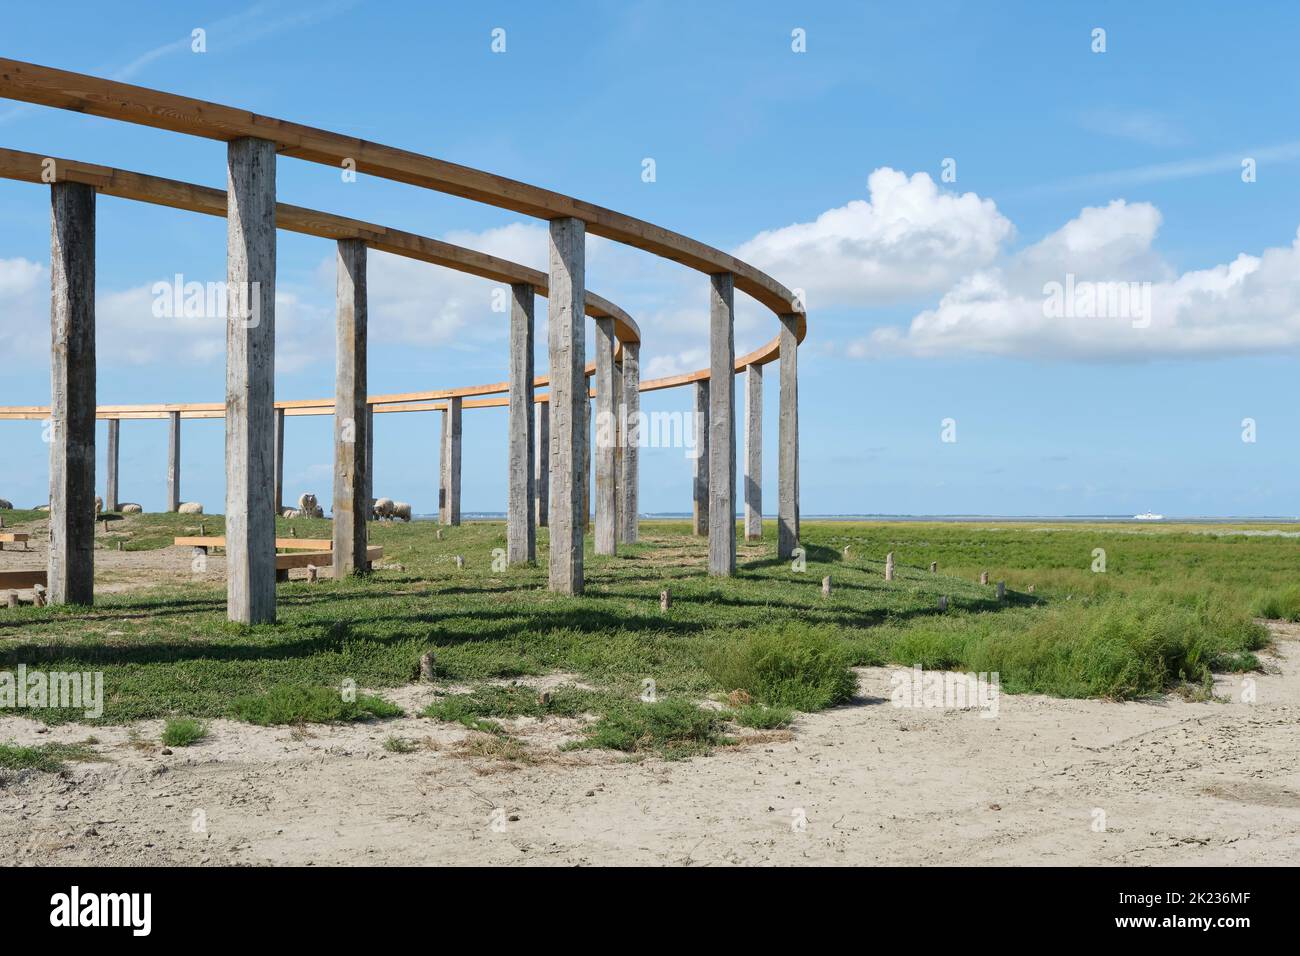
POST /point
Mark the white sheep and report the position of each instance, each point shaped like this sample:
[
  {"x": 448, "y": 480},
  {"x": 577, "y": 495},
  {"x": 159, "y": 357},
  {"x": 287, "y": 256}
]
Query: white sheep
[
  {"x": 99, "y": 504},
  {"x": 309, "y": 506},
  {"x": 190, "y": 508},
  {"x": 402, "y": 509},
  {"x": 384, "y": 507},
  {"x": 130, "y": 508},
  {"x": 290, "y": 513}
]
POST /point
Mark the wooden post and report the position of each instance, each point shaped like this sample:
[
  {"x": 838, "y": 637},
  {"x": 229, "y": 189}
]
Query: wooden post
[
  {"x": 449, "y": 494},
  {"x": 521, "y": 532},
  {"x": 542, "y": 462},
  {"x": 934, "y": 567},
  {"x": 586, "y": 463},
  {"x": 943, "y": 603},
  {"x": 173, "y": 461},
  {"x": 826, "y": 586},
  {"x": 629, "y": 478},
  {"x": 1002, "y": 590},
  {"x": 567, "y": 349},
  {"x": 111, "y": 502},
  {"x": 787, "y": 491},
  {"x": 70, "y": 572},
  {"x": 665, "y": 599},
  {"x": 889, "y": 566},
  {"x": 11, "y": 598},
  {"x": 722, "y": 425},
  {"x": 984, "y": 577},
  {"x": 754, "y": 453},
  {"x": 606, "y": 439},
  {"x": 250, "y": 381},
  {"x": 370, "y": 461},
  {"x": 351, "y": 412},
  {"x": 700, "y": 498},
  {"x": 279, "y": 460},
  {"x": 616, "y": 431}
]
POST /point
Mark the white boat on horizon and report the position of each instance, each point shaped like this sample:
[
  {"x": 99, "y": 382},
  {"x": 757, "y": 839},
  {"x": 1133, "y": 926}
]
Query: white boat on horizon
[{"x": 1148, "y": 516}]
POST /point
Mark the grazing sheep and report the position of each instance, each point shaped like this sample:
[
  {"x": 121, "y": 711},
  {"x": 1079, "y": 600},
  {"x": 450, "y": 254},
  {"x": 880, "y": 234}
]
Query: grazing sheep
[
  {"x": 384, "y": 507},
  {"x": 290, "y": 513},
  {"x": 190, "y": 508},
  {"x": 42, "y": 508},
  {"x": 99, "y": 504},
  {"x": 402, "y": 509},
  {"x": 130, "y": 508},
  {"x": 310, "y": 507},
  {"x": 6, "y": 505}
]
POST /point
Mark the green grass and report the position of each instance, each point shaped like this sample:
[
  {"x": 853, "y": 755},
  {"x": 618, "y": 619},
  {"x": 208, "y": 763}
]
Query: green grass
[
  {"x": 763, "y": 717},
  {"x": 792, "y": 667},
  {"x": 1279, "y": 604},
  {"x": 287, "y": 704},
  {"x": 183, "y": 731},
  {"x": 1173, "y": 604},
  {"x": 674, "y": 729},
  {"x": 47, "y": 757}
]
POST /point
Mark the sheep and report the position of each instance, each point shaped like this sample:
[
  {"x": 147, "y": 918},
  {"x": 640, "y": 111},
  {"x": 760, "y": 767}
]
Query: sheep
[
  {"x": 290, "y": 513},
  {"x": 43, "y": 508},
  {"x": 6, "y": 504},
  {"x": 384, "y": 507},
  {"x": 190, "y": 508},
  {"x": 99, "y": 504},
  {"x": 130, "y": 508},
  {"x": 402, "y": 509},
  {"x": 309, "y": 507}
]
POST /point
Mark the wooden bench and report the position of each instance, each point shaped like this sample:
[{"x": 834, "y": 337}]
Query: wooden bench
[
  {"x": 281, "y": 544},
  {"x": 15, "y": 537},
  {"x": 22, "y": 579},
  {"x": 320, "y": 559}
]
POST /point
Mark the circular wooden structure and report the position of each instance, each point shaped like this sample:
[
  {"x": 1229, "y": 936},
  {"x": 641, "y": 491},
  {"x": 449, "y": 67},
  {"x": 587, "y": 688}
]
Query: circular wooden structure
[{"x": 252, "y": 415}]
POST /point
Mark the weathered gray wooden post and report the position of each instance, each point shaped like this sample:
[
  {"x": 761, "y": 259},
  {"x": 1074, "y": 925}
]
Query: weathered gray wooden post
[
  {"x": 173, "y": 461},
  {"x": 542, "y": 464},
  {"x": 351, "y": 413},
  {"x": 629, "y": 478},
  {"x": 567, "y": 351},
  {"x": 370, "y": 461},
  {"x": 700, "y": 496},
  {"x": 586, "y": 463},
  {"x": 449, "y": 493},
  {"x": 521, "y": 532},
  {"x": 722, "y": 425},
  {"x": 250, "y": 380},
  {"x": 279, "y": 459},
  {"x": 111, "y": 499},
  {"x": 616, "y": 430},
  {"x": 753, "y": 452},
  {"x": 606, "y": 439},
  {"x": 71, "y": 566},
  {"x": 787, "y": 490}
]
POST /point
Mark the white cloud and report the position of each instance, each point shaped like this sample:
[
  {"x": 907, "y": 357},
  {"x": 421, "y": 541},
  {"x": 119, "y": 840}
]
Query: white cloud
[
  {"x": 1248, "y": 306},
  {"x": 909, "y": 239}
]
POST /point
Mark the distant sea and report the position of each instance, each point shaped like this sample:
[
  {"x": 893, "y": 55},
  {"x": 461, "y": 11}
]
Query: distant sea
[{"x": 1082, "y": 519}]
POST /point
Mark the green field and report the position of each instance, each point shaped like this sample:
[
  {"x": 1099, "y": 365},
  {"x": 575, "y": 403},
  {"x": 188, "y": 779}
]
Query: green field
[{"x": 1173, "y": 604}]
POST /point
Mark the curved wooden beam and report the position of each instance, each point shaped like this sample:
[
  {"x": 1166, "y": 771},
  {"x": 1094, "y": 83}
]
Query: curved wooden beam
[{"x": 46, "y": 86}]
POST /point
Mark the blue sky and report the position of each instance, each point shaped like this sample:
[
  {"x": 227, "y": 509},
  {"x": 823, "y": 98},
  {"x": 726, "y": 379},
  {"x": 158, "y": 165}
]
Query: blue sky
[{"x": 823, "y": 167}]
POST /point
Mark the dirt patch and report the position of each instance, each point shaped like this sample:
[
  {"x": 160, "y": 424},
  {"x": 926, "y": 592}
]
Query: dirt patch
[{"x": 1045, "y": 781}]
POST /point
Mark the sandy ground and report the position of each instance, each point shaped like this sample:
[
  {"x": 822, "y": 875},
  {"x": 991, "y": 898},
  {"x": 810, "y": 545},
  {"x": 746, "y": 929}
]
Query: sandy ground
[{"x": 1178, "y": 783}]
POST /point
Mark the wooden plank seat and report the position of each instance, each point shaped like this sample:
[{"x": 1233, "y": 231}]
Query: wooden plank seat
[
  {"x": 22, "y": 578},
  {"x": 321, "y": 559},
  {"x": 281, "y": 544},
  {"x": 14, "y": 537}
]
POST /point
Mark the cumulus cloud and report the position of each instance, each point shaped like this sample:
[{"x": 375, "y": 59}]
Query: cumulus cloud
[
  {"x": 908, "y": 239},
  {"x": 1097, "y": 289}
]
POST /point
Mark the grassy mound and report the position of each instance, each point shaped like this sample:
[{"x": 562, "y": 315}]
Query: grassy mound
[
  {"x": 287, "y": 704},
  {"x": 794, "y": 666}
]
